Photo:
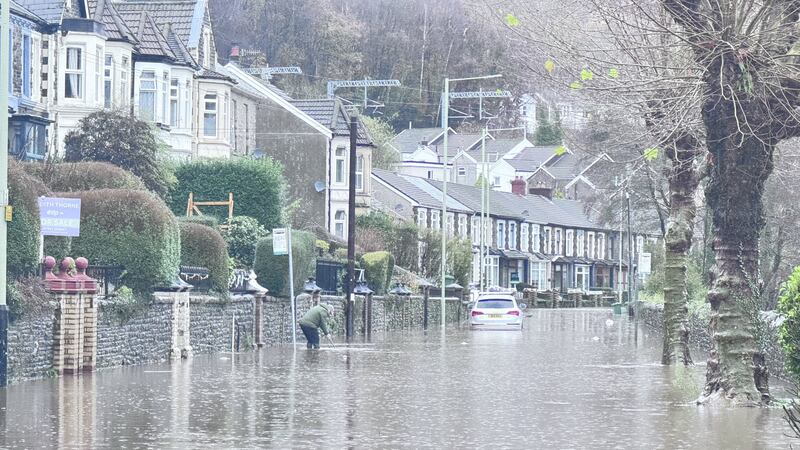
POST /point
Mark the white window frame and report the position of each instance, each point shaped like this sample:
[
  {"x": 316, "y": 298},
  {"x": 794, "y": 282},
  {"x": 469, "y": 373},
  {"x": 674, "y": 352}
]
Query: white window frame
[
  {"x": 340, "y": 223},
  {"x": 340, "y": 165},
  {"x": 582, "y": 272},
  {"x": 512, "y": 235},
  {"x": 538, "y": 275},
  {"x": 422, "y": 218},
  {"x": 187, "y": 109},
  {"x": 536, "y": 238},
  {"x": 211, "y": 98},
  {"x": 451, "y": 224},
  {"x": 548, "y": 237},
  {"x": 462, "y": 226},
  {"x": 501, "y": 234},
  {"x": 476, "y": 230},
  {"x": 524, "y": 237},
  {"x": 569, "y": 240},
  {"x": 579, "y": 243},
  {"x": 360, "y": 173},
  {"x": 150, "y": 90},
  {"x": 590, "y": 244},
  {"x": 123, "y": 81},
  {"x": 98, "y": 74},
  {"x": 462, "y": 171},
  {"x": 601, "y": 246},
  {"x": 165, "y": 86},
  {"x": 492, "y": 270},
  {"x": 174, "y": 102},
  {"x": 108, "y": 81},
  {"x": 436, "y": 223},
  {"x": 558, "y": 241},
  {"x": 80, "y": 72}
]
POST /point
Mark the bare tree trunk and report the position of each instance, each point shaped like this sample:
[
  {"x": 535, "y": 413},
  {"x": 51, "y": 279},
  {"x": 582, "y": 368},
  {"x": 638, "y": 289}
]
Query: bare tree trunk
[
  {"x": 683, "y": 179},
  {"x": 740, "y": 166}
]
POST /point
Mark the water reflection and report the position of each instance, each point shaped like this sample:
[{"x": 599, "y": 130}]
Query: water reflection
[{"x": 573, "y": 378}]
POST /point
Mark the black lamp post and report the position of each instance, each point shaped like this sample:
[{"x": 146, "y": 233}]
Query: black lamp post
[
  {"x": 425, "y": 286},
  {"x": 400, "y": 290}
]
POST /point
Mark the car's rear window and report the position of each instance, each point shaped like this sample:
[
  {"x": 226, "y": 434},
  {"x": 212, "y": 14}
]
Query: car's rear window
[{"x": 495, "y": 303}]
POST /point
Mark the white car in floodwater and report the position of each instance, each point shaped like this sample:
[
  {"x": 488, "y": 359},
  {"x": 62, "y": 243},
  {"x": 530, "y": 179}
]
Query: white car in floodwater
[{"x": 496, "y": 311}]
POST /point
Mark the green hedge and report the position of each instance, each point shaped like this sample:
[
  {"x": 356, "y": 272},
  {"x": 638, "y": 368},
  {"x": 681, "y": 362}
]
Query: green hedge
[
  {"x": 273, "y": 271},
  {"x": 134, "y": 229},
  {"x": 242, "y": 234},
  {"x": 209, "y": 221},
  {"x": 258, "y": 188},
  {"x": 789, "y": 330},
  {"x": 84, "y": 176},
  {"x": 378, "y": 268},
  {"x": 204, "y": 247},
  {"x": 23, "y": 231}
]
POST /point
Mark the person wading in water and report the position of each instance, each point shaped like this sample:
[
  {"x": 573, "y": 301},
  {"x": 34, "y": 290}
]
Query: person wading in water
[{"x": 316, "y": 319}]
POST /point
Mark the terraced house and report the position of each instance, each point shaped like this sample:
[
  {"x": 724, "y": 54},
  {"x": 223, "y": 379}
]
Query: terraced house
[{"x": 545, "y": 242}]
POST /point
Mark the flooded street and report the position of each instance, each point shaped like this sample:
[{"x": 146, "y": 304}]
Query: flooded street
[{"x": 570, "y": 379}]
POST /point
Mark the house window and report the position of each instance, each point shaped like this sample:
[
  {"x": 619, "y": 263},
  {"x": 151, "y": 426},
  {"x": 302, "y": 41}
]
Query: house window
[
  {"x": 570, "y": 236},
  {"x": 422, "y": 218},
  {"x": 582, "y": 277},
  {"x": 557, "y": 248},
  {"x": 451, "y": 224},
  {"x": 462, "y": 171},
  {"x": 26, "y": 66},
  {"x": 435, "y": 222},
  {"x": 108, "y": 81},
  {"x": 164, "y": 97},
  {"x": 501, "y": 234},
  {"x": 360, "y": 173},
  {"x": 601, "y": 246},
  {"x": 339, "y": 220},
  {"x": 512, "y": 235},
  {"x": 537, "y": 243},
  {"x": 579, "y": 245},
  {"x": 539, "y": 275},
  {"x": 147, "y": 96},
  {"x": 430, "y": 174},
  {"x": 340, "y": 165},
  {"x": 590, "y": 242},
  {"x": 496, "y": 181},
  {"x": 123, "y": 80},
  {"x": 547, "y": 240},
  {"x": 187, "y": 109},
  {"x": 73, "y": 77},
  {"x": 174, "y": 102},
  {"x": 524, "y": 238},
  {"x": 210, "y": 116},
  {"x": 492, "y": 270},
  {"x": 462, "y": 226},
  {"x": 98, "y": 73}
]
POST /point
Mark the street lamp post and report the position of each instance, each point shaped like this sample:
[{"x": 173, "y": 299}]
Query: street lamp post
[{"x": 443, "y": 220}]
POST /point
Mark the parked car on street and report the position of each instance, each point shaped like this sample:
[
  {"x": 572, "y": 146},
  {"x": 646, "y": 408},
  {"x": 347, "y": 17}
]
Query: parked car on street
[{"x": 496, "y": 311}]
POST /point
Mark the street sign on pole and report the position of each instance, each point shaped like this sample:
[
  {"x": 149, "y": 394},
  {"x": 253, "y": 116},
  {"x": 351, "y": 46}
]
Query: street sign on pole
[
  {"x": 60, "y": 216},
  {"x": 645, "y": 263},
  {"x": 282, "y": 245}
]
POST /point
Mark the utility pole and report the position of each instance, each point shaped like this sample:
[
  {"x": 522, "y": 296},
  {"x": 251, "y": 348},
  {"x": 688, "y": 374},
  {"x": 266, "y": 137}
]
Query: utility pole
[
  {"x": 630, "y": 256},
  {"x": 351, "y": 229},
  {"x": 484, "y": 205},
  {"x": 5, "y": 60}
]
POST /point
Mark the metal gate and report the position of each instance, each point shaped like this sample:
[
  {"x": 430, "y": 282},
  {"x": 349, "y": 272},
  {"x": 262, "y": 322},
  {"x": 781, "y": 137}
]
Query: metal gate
[{"x": 329, "y": 276}]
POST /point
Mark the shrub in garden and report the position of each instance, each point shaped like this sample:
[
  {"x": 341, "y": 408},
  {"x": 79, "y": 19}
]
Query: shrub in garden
[
  {"x": 134, "y": 229},
  {"x": 273, "y": 271},
  {"x": 203, "y": 246},
  {"x": 242, "y": 234},
  {"x": 23, "y": 230},
  {"x": 378, "y": 268},
  {"x": 459, "y": 257},
  {"x": 203, "y": 219},
  {"x": 84, "y": 176},
  {"x": 789, "y": 330},
  {"x": 123, "y": 140},
  {"x": 257, "y": 184},
  {"x": 377, "y": 231}
]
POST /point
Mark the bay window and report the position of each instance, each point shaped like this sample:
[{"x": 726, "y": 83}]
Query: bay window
[
  {"x": 147, "y": 96},
  {"x": 123, "y": 81},
  {"x": 73, "y": 73},
  {"x": 174, "y": 102},
  {"x": 164, "y": 97},
  {"x": 98, "y": 73},
  {"x": 108, "y": 81},
  {"x": 210, "y": 115}
]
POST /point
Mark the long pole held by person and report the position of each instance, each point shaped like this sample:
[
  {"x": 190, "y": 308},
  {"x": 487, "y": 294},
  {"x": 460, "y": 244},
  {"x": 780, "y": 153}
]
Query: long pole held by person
[
  {"x": 5, "y": 60},
  {"x": 351, "y": 229}
]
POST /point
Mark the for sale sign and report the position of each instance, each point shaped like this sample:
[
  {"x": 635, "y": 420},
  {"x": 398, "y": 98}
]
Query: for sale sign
[{"x": 60, "y": 216}]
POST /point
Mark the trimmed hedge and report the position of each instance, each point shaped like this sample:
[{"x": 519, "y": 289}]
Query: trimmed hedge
[
  {"x": 258, "y": 188},
  {"x": 209, "y": 221},
  {"x": 204, "y": 247},
  {"x": 23, "y": 231},
  {"x": 273, "y": 271},
  {"x": 134, "y": 229},
  {"x": 378, "y": 268},
  {"x": 84, "y": 176},
  {"x": 242, "y": 235}
]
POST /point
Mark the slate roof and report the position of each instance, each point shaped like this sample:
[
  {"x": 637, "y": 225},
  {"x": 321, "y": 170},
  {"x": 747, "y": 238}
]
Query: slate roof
[
  {"x": 214, "y": 75},
  {"x": 21, "y": 11},
  {"x": 331, "y": 114},
  {"x": 458, "y": 142},
  {"x": 530, "y": 158},
  {"x": 408, "y": 140},
  {"x": 151, "y": 40},
  {"x": 49, "y": 10},
  {"x": 411, "y": 189},
  {"x": 177, "y": 14},
  {"x": 565, "y": 167},
  {"x": 182, "y": 55},
  {"x": 115, "y": 27}
]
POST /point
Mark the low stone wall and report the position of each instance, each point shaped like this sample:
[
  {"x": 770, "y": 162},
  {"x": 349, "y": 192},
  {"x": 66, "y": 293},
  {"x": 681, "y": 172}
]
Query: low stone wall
[
  {"x": 217, "y": 324},
  {"x": 30, "y": 347},
  {"x": 133, "y": 337},
  {"x": 700, "y": 335}
]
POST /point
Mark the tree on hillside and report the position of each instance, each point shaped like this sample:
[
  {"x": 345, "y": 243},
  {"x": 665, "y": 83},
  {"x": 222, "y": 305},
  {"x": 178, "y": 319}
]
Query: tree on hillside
[
  {"x": 384, "y": 156},
  {"x": 122, "y": 140}
]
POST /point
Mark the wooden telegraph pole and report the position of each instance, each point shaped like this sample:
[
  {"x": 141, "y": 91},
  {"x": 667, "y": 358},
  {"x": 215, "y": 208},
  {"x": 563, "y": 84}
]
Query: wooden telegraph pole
[{"x": 351, "y": 230}]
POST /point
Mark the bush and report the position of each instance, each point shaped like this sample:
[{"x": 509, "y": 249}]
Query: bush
[
  {"x": 273, "y": 271},
  {"x": 84, "y": 176},
  {"x": 202, "y": 246},
  {"x": 27, "y": 297},
  {"x": 242, "y": 235},
  {"x": 378, "y": 268},
  {"x": 203, "y": 219},
  {"x": 377, "y": 231},
  {"x": 258, "y": 188},
  {"x": 134, "y": 229},
  {"x": 120, "y": 139},
  {"x": 789, "y": 330},
  {"x": 459, "y": 258},
  {"x": 23, "y": 231}
]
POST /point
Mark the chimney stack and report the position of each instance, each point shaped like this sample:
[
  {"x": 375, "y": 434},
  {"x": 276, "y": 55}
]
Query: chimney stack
[
  {"x": 518, "y": 186},
  {"x": 234, "y": 54}
]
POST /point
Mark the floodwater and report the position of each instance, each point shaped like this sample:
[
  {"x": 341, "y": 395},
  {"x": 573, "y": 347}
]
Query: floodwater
[{"x": 570, "y": 379}]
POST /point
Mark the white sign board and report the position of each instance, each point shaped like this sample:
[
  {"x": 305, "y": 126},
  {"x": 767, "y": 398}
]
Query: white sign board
[
  {"x": 645, "y": 262},
  {"x": 60, "y": 216},
  {"x": 280, "y": 241}
]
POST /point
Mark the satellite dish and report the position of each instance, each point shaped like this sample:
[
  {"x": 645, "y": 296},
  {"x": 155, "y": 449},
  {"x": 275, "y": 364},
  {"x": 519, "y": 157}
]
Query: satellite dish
[{"x": 319, "y": 186}]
